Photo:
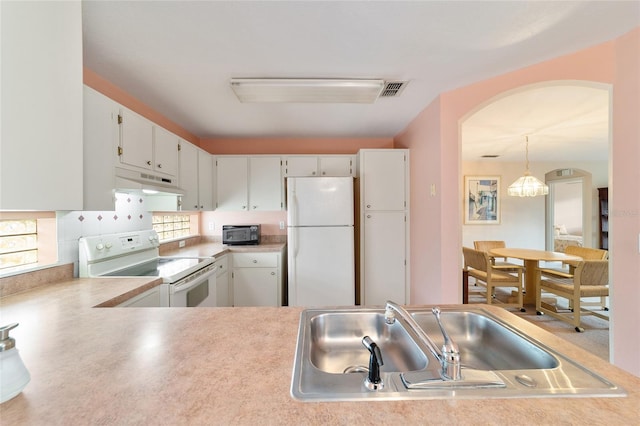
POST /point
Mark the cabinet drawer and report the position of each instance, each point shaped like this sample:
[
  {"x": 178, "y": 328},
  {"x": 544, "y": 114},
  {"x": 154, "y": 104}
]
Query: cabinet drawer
[
  {"x": 255, "y": 260},
  {"x": 222, "y": 265}
]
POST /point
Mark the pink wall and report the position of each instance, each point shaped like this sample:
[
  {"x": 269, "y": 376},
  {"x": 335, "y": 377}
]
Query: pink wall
[
  {"x": 292, "y": 145},
  {"x": 112, "y": 91},
  {"x": 624, "y": 205},
  {"x": 433, "y": 138}
]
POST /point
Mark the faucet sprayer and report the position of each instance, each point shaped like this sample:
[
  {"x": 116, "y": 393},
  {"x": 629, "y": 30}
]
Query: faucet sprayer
[{"x": 373, "y": 380}]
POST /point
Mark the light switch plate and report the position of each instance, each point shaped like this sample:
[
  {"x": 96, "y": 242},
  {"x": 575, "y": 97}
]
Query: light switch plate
[{"x": 182, "y": 243}]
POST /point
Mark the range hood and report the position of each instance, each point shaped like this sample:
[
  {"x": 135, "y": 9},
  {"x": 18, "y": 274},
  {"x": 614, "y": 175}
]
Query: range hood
[{"x": 147, "y": 183}]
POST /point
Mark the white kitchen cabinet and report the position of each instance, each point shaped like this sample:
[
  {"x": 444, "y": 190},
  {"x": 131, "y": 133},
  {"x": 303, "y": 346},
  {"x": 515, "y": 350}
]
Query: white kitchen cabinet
[
  {"x": 384, "y": 257},
  {"x": 165, "y": 151},
  {"x": 149, "y": 299},
  {"x": 146, "y": 146},
  {"x": 301, "y": 166},
  {"x": 41, "y": 114},
  {"x": 101, "y": 138},
  {"x": 195, "y": 177},
  {"x": 257, "y": 279},
  {"x": 232, "y": 183},
  {"x": 224, "y": 290},
  {"x": 205, "y": 180},
  {"x": 384, "y": 224},
  {"x": 336, "y": 165},
  {"x": 248, "y": 183},
  {"x": 325, "y": 165},
  {"x": 384, "y": 178},
  {"x": 265, "y": 184}
]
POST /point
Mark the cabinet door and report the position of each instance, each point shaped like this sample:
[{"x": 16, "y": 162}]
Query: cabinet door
[
  {"x": 205, "y": 180},
  {"x": 188, "y": 179},
  {"x": 383, "y": 175},
  {"x": 265, "y": 184},
  {"x": 223, "y": 296},
  {"x": 136, "y": 140},
  {"x": 384, "y": 249},
  {"x": 255, "y": 287},
  {"x": 336, "y": 165},
  {"x": 302, "y": 166},
  {"x": 165, "y": 151},
  {"x": 101, "y": 139},
  {"x": 232, "y": 183}
]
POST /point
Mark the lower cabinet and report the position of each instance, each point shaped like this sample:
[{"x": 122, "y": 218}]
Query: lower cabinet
[
  {"x": 384, "y": 252},
  {"x": 148, "y": 299},
  {"x": 257, "y": 279},
  {"x": 224, "y": 290}
]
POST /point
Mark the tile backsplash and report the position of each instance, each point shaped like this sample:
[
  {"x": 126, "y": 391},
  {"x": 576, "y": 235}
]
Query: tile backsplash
[{"x": 130, "y": 214}]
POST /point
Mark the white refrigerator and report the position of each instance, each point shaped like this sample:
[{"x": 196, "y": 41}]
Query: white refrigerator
[{"x": 320, "y": 241}]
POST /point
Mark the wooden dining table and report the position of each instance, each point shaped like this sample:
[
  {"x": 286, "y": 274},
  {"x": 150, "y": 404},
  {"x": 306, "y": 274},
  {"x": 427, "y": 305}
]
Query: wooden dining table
[{"x": 532, "y": 258}]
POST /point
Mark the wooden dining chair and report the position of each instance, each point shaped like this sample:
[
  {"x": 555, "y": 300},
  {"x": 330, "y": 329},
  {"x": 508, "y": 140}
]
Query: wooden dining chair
[
  {"x": 478, "y": 265},
  {"x": 590, "y": 279},
  {"x": 487, "y": 246},
  {"x": 567, "y": 267}
]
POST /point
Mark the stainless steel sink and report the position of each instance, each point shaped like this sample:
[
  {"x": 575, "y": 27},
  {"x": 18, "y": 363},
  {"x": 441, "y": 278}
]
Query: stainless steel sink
[
  {"x": 485, "y": 344},
  {"x": 336, "y": 343},
  {"x": 498, "y": 361}
]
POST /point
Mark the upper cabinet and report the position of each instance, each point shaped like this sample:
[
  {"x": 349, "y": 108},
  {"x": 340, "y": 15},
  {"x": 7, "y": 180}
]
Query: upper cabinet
[
  {"x": 383, "y": 174},
  {"x": 41, "y": 114},
  {"x": 196, "y": 177},
  {"x": 147, "y": 146},
  {"x": 249, "y": 183},
  {"x": 313, "y": 165}
]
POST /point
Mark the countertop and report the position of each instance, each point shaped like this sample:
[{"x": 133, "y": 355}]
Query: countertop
[
  {"x": 225, "y": 366},
  {"x": 219, "y": 249}
]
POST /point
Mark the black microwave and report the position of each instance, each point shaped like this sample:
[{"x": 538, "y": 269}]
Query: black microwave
[{"x": 240, "y": 234}]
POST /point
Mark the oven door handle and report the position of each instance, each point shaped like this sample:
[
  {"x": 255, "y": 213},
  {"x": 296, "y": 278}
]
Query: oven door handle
[{"x": 192, "y": 281}]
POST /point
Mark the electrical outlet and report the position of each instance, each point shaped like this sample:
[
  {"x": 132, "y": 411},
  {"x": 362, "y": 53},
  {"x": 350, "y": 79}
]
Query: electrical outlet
[
  {"x": 212, "y": 226},
  {"x": 433, "y": 189},
  {"x": 182, "y": 243},
  {"x": 282, "y": 224}
]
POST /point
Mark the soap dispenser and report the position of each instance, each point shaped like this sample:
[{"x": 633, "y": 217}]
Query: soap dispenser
[{"x": 13, "y": 374}]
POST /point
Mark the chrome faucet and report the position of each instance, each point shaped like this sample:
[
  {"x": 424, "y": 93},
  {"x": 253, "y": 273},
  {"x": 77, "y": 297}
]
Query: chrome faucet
[{"x": 449, "y": 356}]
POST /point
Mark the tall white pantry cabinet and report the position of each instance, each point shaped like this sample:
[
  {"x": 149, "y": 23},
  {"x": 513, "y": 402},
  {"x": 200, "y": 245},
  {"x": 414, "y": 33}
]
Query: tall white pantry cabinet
[{"x": 384, "y": 226}]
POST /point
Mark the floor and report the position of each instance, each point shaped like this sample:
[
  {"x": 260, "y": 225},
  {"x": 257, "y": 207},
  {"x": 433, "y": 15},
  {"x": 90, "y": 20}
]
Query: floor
[{"x": 595, "y": 337}]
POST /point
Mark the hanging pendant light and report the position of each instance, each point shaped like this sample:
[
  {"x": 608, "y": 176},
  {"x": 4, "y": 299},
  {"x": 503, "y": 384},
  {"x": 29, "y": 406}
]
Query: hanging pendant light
[{"x": 527, "y": 185}]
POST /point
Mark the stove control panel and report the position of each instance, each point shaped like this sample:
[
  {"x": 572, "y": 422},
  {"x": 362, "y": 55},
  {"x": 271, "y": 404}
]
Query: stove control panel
[{"x": 102, "y": 247}]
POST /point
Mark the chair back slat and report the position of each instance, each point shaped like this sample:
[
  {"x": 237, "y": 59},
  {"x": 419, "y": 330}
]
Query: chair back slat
[
  {"x": 474, "y": 259},
  {"x": 488, "y": 245},
  {"x": 587, "y": 253},
  {"x": 592, "y": 272}
]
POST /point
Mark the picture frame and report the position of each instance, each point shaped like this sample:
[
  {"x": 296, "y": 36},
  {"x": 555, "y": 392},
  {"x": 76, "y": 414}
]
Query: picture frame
[{"x": 482, "y": 200}]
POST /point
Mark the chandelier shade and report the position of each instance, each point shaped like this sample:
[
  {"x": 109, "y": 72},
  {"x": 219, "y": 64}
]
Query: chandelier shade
[{"x": 527, "y": 185}]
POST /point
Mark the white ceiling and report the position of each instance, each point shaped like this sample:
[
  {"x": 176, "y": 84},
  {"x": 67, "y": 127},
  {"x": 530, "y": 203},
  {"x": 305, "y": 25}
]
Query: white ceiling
[{"x": 178, "y": 57}]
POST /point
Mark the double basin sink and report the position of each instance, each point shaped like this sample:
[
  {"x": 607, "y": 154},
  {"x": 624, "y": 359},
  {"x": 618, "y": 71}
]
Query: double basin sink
[{"x": 497, "y": 360}]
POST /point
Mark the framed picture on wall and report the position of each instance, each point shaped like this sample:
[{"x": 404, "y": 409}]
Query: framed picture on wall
[{"x": 481, "y": 200}]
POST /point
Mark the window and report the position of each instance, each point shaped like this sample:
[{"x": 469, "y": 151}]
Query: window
[
  {"x": 27, "y": 240},
  {"x": 171, "y": 226}
]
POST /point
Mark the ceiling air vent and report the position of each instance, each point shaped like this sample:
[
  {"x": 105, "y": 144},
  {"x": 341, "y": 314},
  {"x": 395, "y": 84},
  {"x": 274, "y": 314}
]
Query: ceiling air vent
[{"x": 393, "y": 88}]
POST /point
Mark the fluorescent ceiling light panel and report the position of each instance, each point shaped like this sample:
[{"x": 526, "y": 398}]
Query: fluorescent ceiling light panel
[{"x": 314, "y": 90}]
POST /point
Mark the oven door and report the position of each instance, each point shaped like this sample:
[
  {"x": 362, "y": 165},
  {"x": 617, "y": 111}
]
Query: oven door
[{"x": 195, "y": 290}]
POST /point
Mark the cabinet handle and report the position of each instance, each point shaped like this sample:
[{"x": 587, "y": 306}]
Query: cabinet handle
[
  {"x": 368, "y": 206},
  {"x": 159, "y": 166},
  {"x": 149, "y": 163},
  {"x": 368, "y": 216},
  {"x": 244, "y": 207},
  {"x": 196, "y": 206},
  {"x": 273, "y": 273},
  {"x": 324, "y": 173},
  {"x": 255, "y": 207},
  {"x": 255, "y": 261},
  {"x": 313, "y": 173}
]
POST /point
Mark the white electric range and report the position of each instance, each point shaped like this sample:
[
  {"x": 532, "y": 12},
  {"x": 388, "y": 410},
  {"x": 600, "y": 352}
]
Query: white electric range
[{"x": 187, "y": 281}]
